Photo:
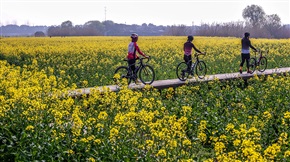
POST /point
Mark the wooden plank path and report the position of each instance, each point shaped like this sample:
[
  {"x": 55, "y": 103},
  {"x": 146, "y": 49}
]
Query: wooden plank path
[{"x": 162, "y": 84}]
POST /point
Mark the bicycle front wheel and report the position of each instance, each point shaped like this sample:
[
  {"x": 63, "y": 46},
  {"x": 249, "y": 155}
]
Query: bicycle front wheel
[
  {"x": 147, "y": 74},
  {"x": 262, "y": 64},
  {"x": 200, "y": 69},
  {"x": 123, "y": 72},
  {"x": 252, "y": 65},
  {"x": 181, "y": 71}
]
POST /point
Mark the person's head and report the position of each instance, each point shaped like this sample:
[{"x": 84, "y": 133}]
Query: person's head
[
  {"x": 190, "y": 38},
  {"x": 134, "y": 37},
  {"x": 247, "y": 34}
]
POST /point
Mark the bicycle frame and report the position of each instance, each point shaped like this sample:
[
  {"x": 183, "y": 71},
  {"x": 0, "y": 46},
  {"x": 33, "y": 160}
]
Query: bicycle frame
[
  {"x": 195, "y": 62},
  {"x": 144, "y": 72},
  {"x": 260, "y": 56},
  {"x": 140, "y": 63},
  {"x": 257, "y": 61},
  {"x": 198, "y": 67}
]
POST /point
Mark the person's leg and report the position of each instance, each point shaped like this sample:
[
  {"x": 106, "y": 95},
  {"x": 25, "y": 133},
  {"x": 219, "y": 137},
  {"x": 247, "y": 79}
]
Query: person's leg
[
  {"x": 242, "y": 62},
  {"x": 131, "y": 64},
  {"x": 188, "y": 60},
  {"x": 248, "y": 64}
]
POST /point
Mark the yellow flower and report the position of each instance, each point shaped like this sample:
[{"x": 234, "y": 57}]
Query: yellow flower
[
  {"x": 97, "y": 141},
  {"x": 283, "y": 138},
  {"x": 113, "y": 134},
  {"x": 272, "y": 151},
  {"x": 117, "y": 76},
  {"x": 219, "y": 147},
  {"x": 30, "y": 127},
  {"x": 186, "y": 109},
  {"x": 287, "y": 154},
  {"x": 91, "y": 159},
  {"x": 237, "y": 142},
  {"x": 149, "y": 143},
  {"x": 161, "y": 152},
  {"x": 267, "y": 115},
  {"x": 287, "y": 115},
  {"x": 103, "y": 115},
  {"x": 173, "y": 143},
  {"x": 70, "y": 152},
  {"x": 202, "y": 125},
  {"x": 202, "y": 136},
  {"x": 230, "y": 126},
  {"x": 186, "y": 142}
]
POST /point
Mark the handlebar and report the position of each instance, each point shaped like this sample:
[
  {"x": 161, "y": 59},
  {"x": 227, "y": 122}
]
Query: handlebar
[
  {"x": 261, "y": 51},
  {"x": 140, "y": 58},
  {"x": 197, "y": 54}
]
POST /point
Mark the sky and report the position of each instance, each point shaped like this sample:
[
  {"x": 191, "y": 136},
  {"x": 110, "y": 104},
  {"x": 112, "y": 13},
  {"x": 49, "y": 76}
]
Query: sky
[{"x": 157, "y": 12}]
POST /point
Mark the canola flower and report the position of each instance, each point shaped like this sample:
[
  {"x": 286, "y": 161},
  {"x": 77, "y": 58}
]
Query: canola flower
[
  {"x": 91, "y": 61},
  {"x": 206, "y": 122}
]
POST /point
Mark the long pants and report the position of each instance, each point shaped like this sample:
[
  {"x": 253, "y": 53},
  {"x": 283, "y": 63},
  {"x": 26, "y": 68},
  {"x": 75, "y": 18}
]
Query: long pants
[
  {"x": 245, "y": 57},
  {"x": 187, "y": 59},
  {"x": 131, "y": 63}
]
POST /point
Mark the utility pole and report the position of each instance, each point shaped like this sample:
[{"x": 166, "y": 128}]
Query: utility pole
[
  {"x": 105, "y": 21},
  {"x": 105, "y": 13}
]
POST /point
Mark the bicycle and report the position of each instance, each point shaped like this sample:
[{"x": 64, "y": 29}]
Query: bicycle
[
  {"x": 146, "y": 72},
  {"x": 198, "y": 66},
  {"x": 260, "y": 63}
]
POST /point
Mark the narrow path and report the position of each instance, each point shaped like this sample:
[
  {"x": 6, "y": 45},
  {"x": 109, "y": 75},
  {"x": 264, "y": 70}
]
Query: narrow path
[{"x": 162, "y": 84}]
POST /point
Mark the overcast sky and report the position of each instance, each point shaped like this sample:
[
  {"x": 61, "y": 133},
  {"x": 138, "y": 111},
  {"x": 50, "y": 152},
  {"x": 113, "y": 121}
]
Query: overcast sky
[{"x": 158, "y": 12}]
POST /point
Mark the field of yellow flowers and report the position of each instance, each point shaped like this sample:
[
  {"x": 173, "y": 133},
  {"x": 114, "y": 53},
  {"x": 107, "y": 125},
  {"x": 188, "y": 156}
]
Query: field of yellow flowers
[
  {"x": 218, "y": 121},
  {"x": 91, "y": 61}
]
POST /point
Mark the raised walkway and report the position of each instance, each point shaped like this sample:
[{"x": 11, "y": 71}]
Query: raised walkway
[{"x": 162, "y": 84}]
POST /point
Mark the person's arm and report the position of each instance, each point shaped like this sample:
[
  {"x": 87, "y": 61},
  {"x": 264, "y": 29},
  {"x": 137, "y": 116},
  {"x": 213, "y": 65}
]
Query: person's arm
[
  {"x": 195, "y": 49},
  {"x": 138, "y": 50},
  {"x": 250, "y": 45}
]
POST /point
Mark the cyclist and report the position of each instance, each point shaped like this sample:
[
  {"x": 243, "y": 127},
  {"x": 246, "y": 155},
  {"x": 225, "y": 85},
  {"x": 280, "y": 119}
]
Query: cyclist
[
  {"x": 245, "y": 52},
  {"x": 132, "y": 48},
  {"x": 187, "y": 48}
]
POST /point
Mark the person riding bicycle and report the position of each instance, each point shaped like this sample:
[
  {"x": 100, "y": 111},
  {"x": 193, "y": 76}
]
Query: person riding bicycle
[
  {"x": 245, "y": 52},
  {"x": 187, "y": 48},
  {"x": 132, "y": 48}
]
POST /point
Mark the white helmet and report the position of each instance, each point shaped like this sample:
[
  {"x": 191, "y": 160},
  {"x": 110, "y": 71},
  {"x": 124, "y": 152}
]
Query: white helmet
[{"x": 134, "y": 35}]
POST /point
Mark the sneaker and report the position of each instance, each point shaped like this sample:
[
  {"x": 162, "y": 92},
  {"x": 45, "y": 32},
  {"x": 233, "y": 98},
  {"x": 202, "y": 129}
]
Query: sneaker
[
  {"x": 249, "y": 71},
  {"x": 241, "y": 71}
]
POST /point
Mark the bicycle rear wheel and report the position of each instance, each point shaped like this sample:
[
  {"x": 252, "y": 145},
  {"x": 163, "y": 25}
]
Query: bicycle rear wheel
[
  {"x": 252, "y": 65},
  {"x": 181, "y": 71},
  {"x": 262, "y": 64},
  {"x": 123, "y": 71},
  {"x": 200, "y": 69},
  {"x": 147, "y": 74}
]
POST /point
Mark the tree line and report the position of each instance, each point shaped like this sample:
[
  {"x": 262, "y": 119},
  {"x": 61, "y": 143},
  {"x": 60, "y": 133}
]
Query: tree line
[{"x": 257, "y": 22}]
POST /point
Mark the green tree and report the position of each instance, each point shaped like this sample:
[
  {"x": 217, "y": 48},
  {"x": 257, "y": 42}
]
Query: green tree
[
  {"x": 66, "y": 24},
  {"x": 272, "y": 24},
  {"x": 254, "y": 15},
  {"x": 66, "y": 28},
  {"x": 94, "y": 27}
]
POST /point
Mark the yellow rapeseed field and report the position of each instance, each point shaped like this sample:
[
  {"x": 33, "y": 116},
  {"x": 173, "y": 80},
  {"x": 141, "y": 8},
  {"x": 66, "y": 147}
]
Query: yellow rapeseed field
[
  {"x": 217, "y": 121},
  {"x": 91, "y": 61}
]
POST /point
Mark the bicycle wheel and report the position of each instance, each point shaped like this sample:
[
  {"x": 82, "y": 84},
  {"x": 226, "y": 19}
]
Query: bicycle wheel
[
  {"x": 147, "y": 74},
  {"x": 252, "y": 65},
  {"x": 181, "y": 71},
  {"x": 200, "y": 69},
  {"x": 123, "y": 71},
  {"x": 262, "y": 64}
]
